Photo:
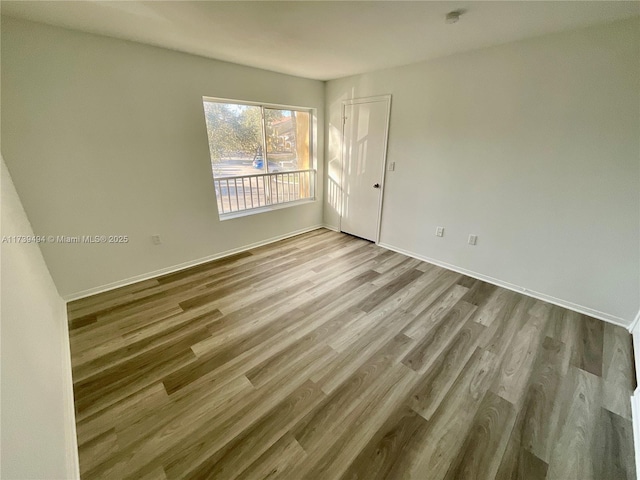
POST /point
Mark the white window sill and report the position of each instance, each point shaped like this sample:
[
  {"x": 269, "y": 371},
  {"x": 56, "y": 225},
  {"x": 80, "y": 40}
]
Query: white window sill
[{"x": 255, "y": 211}]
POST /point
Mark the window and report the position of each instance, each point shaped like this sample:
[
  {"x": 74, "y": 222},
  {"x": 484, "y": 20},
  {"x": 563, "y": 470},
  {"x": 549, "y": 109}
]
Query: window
[{"x": 261, "y": 155}]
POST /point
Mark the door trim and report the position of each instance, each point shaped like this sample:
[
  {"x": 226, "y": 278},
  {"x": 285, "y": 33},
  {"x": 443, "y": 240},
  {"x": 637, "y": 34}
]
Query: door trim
[{"x": 355, "y": 101}]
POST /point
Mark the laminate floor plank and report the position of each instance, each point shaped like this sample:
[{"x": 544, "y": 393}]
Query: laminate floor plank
[
  {"x": 332, "y": 316},
  {"x": 440, "y": 307},
  {"x": 102, "y": 332},
  {"x": 364, "y": 420},
  {"x": 189, "y": 438},
  {"x": 363, "y": 332},
  {"x": 618, "y": 358},
  {"x": 324, "y": 356},
  {"x": 517, "y": 462},
  {"x": 343, "y": 399},
  {"x": 253, "y": 316},
  {"x": 498, "y": 337},
  {"x": 138, "y": 340},
  {"x": 238, "y": 454},
  {"x": 383, "y": 293},
  {"x": 517, "y": 366},
  {"x": 386, "y": 454},
  {"x": 119, "y": 375},
  {"x": 479, "y": 293},
  {"x": 540, "y": 406},
  {"x": 520, "y": 464},
  {"x": 89, "y": 401},
  {"x": 95, "y": 303},
  {"x": 616, "y": 399},
  {"x": 139, "y": 404},
  {"x": 468, "y": 282},
  {"x": 136, "y": 429},
  {"x": 337, "y": 270},
  {"x": 488, "y": 311},
  {"x": 226, "y": 269},
  {"x": 565, "y": 326},
  {"x": 391, "y": 262},
  {"x": 350, "y": 360},
  {"x": 484, "y": 447},
  {"x": 437, "y": 339},
  {"x": 279, "y": 461},
  {"x": 229, "y": 273},
  {"x": 589, "y": 347},
  {"x": 135, "y": 351},
  {"x": 614, "y": 445},
  {"x": 408, "y": 264},
  {"x": 574, "y": 449},
  {"x": 218, "y": 357},
  {"x": 439, "y": 378},
  {"x": 205, "y": 267},
  {"x": 450, "y": 424},
  {"x": 208, "y": 439},
  {"x": 98, "y": 450},
  {"x": 442, "y": 280},
  {"x": 329, "y": 296}
]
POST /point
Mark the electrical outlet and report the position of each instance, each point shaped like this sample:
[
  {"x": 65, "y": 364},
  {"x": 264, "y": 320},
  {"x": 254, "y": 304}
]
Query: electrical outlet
[
  {"x": 439, "y": 231},
  {"x": 473, "y": 239},
  {"x": 392, "y": 166},
  {"x": 156, "y": 239}
]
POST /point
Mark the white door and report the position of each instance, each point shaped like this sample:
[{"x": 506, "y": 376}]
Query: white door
[{"x": 366, "y": 124}]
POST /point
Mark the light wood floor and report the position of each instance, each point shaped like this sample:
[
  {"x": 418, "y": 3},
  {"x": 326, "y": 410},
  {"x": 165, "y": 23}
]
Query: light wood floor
[{"x": 326, "y": 357}]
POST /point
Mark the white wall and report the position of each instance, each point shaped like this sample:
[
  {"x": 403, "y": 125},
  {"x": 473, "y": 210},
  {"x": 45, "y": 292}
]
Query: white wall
[
  {"x": 534, "y": 146},
  {"x": 38, "y": 427},
  {"x": 105, "y": 136}
]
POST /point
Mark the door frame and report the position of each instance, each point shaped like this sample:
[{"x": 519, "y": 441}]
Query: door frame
[{"x": 355, "y": 101}]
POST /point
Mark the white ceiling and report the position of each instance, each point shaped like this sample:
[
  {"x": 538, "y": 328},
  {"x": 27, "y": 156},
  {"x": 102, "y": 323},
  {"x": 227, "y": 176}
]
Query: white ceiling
[{"x": 320, "y": 40}]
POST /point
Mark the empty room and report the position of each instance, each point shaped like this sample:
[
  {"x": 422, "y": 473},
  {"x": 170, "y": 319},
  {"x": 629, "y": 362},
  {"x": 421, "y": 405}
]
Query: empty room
[{"x": 320, "y": 240}]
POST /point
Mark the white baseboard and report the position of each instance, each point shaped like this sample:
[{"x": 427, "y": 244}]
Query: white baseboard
[
  {"x": 163, "y": 271},
  {"x": 634, "y": 328},
  {"x": 621, "y": 322},
  {"x": 635, "y": 416},
  {"x": 331, "y": 227},
  {"x": 71, "y": 438}
]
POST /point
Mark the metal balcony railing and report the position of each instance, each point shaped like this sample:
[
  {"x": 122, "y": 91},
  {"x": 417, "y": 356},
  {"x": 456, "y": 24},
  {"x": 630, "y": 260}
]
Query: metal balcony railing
[{"x": 246, "y": 192}]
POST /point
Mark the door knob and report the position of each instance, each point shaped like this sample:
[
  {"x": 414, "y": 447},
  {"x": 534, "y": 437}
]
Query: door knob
[{"x": 377, "y": 185}]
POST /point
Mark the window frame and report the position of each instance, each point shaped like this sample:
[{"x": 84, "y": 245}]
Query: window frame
[{"x": 313, "y": 121}]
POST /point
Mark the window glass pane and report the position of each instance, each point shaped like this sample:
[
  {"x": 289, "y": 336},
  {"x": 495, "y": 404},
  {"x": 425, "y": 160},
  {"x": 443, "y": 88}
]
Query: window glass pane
[
  {"x": 235, "y": 138},
  {"x": 245, "y": 177},
  {"x": 287, "y": 135}
]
